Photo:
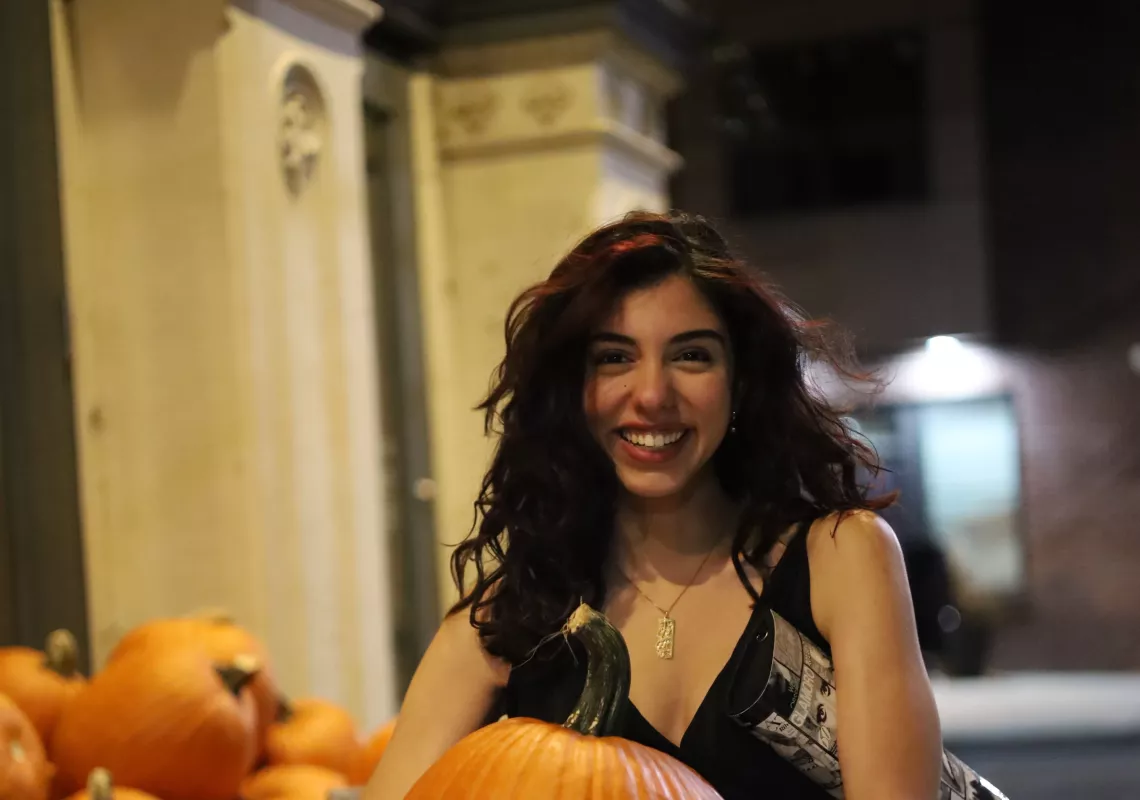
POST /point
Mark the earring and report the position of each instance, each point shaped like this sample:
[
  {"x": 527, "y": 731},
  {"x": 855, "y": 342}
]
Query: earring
[{"x": 732, "y": 423}]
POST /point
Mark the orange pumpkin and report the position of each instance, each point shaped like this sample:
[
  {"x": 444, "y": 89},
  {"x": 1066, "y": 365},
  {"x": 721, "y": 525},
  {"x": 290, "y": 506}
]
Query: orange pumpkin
[
  {"x": 314, "y": 732},
  {"x": 222, "y": 639},
  {"x": 521, "y": 758},
  {"x": 292, "y": 782},
  {"x": 100, "y": 787},
  {"x": 370, "y": 754},
  {"x": 40, "y": 683},
  {"x": 24, "y": 770},
  {"x": 173, "y": 723}
]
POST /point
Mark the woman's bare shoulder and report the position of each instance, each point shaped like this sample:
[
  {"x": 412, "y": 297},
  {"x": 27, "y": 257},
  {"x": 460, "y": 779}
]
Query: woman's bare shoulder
[
  {"x": 459, "y": 638},
  {"x": 848, "y": 552},
  {"x": 848, "y": 529}
]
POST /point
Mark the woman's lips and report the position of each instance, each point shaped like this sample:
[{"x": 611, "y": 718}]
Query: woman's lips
[{"x": 652, "y": 447}]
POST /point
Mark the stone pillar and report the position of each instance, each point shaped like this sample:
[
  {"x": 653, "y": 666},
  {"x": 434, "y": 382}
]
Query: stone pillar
[
  {"x": 524, "y": 146},
  {"x": 225, "y": 365}
]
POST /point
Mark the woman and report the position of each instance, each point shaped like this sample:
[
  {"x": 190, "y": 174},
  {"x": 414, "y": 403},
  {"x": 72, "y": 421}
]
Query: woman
[{"x": 661, "y": 456}]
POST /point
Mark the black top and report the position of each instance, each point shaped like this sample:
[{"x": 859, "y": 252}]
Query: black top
[{"x": 737, "y": 765}]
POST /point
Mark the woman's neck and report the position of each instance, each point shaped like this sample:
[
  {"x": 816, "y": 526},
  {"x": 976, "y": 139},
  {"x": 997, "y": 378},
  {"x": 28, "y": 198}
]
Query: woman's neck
[{"x": 664, "y": 536}]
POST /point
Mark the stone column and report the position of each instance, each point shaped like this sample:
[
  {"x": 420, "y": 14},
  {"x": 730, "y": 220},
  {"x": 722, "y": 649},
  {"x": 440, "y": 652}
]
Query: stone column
[
  {"x": 225, "y": 366},
  {"x": 524, "y": 146}
]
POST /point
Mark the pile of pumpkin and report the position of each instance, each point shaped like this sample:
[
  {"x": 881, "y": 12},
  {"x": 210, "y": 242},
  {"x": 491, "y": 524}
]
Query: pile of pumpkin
[
  {"x": 187, "y": 709},
  {"x": 183, "y": 709}
]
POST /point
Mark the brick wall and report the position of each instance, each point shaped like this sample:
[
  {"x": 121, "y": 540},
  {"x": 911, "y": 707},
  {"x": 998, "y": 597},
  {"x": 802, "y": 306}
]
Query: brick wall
[
  {"x": 1063, "y": 121},
  {"x": 1080, "y": 419}
]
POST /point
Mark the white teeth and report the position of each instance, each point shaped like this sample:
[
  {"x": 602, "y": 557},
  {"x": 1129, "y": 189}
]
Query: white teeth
[{"x": 652, "y": 439}]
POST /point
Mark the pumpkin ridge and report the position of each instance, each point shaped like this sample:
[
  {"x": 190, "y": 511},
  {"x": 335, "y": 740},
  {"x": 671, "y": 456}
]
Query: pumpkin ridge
[
  {"x": 537, "y": 750},
  {"x": 519, "y": 735},
  {"x": 560, "y": 782},
  {"x": 487, "y": 760},
  {"x": 599, "y": 766},
  {"x": 665, "y": 781},
  {"x": 191, "y": 729},
  {"x": 441, "y": 784},
  {"x": 24, "y": 769}
]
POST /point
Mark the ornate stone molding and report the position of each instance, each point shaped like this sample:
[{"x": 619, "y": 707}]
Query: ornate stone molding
[
  {"x": 640, "y": 149},
  {"x": 349, "y": 15},
  {"x": 526, "y": 109},
  {"x": 301, "y": 133},
  {"x": 547, "y": 100}
]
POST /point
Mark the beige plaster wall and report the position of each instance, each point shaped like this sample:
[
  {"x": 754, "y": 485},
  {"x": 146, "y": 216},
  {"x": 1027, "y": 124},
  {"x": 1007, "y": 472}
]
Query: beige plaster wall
[
  {"x": 224, "y": 360},
  {"x": 515, "y": 162}
]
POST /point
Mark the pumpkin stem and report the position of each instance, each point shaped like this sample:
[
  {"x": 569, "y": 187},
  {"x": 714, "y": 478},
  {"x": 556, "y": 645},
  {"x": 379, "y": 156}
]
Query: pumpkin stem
[
  {"x": 61, "y": 653},
  {"x": 284, "y": 709},
  {"x": 605, "y": 697},
  {"x": 238, "y": 673},
  {"x": 99, "y": 785}
]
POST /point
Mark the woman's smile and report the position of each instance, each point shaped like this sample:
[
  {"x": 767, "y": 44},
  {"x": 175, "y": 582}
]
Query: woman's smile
[{"x": 652, "y": 446}]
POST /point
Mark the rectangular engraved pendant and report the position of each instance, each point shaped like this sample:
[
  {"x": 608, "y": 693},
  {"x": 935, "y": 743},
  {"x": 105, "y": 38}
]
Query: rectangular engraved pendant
[{"x": 666, "y": 627}]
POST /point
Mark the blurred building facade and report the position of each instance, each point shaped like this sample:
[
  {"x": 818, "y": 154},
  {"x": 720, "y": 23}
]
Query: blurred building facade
[
  {"x": 526, "y": 125},
  {"x": 1016, "y": 242},
  {"x": 257, "y": 283}
]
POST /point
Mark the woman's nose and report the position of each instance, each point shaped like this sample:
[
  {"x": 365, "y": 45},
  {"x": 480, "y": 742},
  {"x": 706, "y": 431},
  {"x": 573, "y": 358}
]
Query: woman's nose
[{"x": 652, "y": 389}]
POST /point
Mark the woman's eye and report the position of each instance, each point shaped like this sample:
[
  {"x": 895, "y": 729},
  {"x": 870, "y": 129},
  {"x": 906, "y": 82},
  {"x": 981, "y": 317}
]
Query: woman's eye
[
  {"x": 610, "y": 357},
  {"x": 695, "y": 355}
]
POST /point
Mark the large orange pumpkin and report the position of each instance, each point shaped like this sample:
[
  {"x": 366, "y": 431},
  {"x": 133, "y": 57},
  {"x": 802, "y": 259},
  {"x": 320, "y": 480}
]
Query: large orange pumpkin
[
  {"x": 24, "y": 771},
  {"x": 40, "y": 683},
  {"x": 101, "y": 787},
  {"x": 292, "y": 782},
  {"x": 173, "y": 723},
  {"x": 222, "y": 639},
  {"x": 314, "y": 732},
  {"x": 522, "y": 758},
  {"x": 371, "y": 752}
]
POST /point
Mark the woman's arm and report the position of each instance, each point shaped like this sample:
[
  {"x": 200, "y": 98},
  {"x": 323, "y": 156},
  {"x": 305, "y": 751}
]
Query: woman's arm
[
  {"x": 449, "y": 697},
  {"x": 890, "y": 742}
]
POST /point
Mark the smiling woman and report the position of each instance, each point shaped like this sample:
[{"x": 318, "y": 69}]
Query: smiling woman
[
  {"x": 657, "y": 386},
  {"x": 662, "y": 457}
]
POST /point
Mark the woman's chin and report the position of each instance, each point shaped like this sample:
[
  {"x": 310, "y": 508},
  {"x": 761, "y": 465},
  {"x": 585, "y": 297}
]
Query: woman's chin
[{"x": 652, "y": 486}]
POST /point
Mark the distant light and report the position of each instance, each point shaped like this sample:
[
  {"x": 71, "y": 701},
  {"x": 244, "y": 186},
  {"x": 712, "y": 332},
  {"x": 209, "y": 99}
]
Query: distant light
[
  {"x": 949, "y": 367},
  {"x": 949, "y": 619},
  {"x": 943, "y": 344}
]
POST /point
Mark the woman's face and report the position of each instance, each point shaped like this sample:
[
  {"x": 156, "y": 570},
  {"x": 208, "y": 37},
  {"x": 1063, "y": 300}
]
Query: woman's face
[{"x": 657, "y": 394}]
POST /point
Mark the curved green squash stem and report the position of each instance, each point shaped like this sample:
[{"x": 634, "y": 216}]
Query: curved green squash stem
[{"x": 605, "y": 697}]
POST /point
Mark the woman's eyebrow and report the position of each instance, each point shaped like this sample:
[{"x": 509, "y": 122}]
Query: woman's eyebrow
[
  {"x": 700, "y": 333},
  {"x": 610, "y": 337}
]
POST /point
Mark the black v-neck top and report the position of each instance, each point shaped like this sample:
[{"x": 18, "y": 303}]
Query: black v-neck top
[{"x": 738, "y": 766}]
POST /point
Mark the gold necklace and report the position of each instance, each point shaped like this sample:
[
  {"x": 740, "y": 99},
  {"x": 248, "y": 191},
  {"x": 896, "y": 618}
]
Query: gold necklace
[{"x": 666, "y": 625}]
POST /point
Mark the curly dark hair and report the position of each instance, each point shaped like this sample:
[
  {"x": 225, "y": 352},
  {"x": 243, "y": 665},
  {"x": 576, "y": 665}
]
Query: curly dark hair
[{"x": 545, "y": 513}]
